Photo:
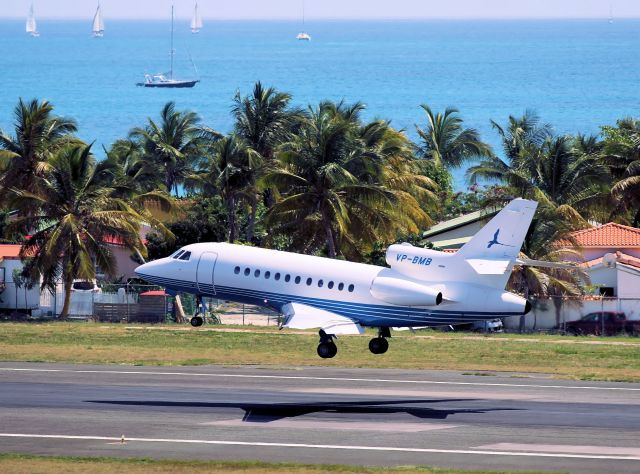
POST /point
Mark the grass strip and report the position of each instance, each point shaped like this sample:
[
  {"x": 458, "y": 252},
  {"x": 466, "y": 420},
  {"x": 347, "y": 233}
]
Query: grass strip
[
  {"x": 23, "y": 463},
  {"x": 97, "y": 343}
]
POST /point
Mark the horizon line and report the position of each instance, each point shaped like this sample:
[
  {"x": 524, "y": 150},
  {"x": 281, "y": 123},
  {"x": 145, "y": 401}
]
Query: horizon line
[{"x": 297, "y": 20}]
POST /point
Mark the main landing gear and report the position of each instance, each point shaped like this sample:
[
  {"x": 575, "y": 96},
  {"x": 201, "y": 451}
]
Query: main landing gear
[
  {"x": 380, "y": 345},
  {"x": 197, "y": 319},
  {"x": 327, "y": 348}
]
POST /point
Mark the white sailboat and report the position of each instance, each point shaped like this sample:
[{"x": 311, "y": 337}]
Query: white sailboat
[
  {"x": 196, "y": 21},
  {"x": 166, "y": 80},
  {"x": 611, "y": 13},
  {"x": 31, "y": 26},
  {"x": 303, "y": 35},
  {"x": 98, "y": 24}
]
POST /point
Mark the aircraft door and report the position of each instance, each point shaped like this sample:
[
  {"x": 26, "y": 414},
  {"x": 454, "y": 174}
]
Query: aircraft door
[{"x": 205, "y": 273}]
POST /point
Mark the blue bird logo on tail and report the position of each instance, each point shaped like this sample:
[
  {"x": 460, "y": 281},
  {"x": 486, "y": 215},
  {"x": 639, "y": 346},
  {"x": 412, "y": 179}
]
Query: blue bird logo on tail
[{"x": 495, "y": 241}]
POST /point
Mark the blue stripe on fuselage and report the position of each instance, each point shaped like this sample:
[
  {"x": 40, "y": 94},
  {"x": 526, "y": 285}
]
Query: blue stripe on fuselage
[{"x": 365, "y": 314}]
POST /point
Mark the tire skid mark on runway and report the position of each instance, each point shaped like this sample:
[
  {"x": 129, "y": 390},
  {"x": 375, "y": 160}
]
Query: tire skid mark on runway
[
  {"x": 334, "y": 425},
  {"x": 306, "y": 377},
  {"x": 325, "y": 446}
]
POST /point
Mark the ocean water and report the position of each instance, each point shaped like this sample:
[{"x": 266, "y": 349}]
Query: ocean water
[{"x": 578, "y": 75}]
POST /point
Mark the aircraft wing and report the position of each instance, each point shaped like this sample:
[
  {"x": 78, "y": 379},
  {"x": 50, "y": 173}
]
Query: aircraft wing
[{"x": 302, "y": 316}]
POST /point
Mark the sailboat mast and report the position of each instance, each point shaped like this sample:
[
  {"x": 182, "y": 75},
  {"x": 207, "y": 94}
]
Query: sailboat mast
[
  {"x": 171, "y": 70},
  {"x": 303, "y": 14}
]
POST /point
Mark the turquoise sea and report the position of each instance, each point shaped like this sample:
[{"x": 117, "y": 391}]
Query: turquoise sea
[{"x": 577, "y": 75}]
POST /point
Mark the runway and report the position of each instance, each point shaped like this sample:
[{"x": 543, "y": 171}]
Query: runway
[{"x": 321, "y": 415}]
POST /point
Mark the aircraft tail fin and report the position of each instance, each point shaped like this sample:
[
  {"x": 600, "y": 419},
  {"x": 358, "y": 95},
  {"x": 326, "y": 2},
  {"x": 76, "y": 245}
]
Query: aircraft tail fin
[{"x": 503, "y": 236}]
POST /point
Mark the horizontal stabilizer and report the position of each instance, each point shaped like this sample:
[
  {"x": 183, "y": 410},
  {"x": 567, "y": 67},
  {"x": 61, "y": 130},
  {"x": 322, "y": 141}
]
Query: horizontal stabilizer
[
  {"x": 302, "y": 316},
  {"x": 488, "y": 267},
  {"x": 544, "y": 264}
]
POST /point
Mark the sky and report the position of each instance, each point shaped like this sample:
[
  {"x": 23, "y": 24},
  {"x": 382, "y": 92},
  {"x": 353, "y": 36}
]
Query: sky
[{"x": 327, "y": 9}]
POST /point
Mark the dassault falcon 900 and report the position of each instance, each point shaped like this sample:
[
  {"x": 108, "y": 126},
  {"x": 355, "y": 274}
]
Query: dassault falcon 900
[{"x": 422, "y": 287}]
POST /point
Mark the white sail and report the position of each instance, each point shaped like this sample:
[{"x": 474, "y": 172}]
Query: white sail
[
  {"x": 196, "y": 20},
  {"x": 98, "y": 23},
  {"x": 31, "y": 26}
]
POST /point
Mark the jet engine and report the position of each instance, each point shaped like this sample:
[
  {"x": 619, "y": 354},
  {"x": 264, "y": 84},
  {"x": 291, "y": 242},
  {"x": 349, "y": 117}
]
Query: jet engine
[{"x": 404, "y": 292}]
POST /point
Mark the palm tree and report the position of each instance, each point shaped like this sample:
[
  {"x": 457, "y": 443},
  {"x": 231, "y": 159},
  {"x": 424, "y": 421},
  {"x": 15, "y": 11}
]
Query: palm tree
[
  {"x": 324, "y": 198},
  {"x": 231, "y": 173},
  {"x": 622, "y": 153},
  {"x": 554, "y": 170},
  {"x": 264, "y": 120},
  {"x": 75, "y": 216},
  {"x": 38, "y": 134},
  {"x": 175, "y": 145},
  {"x": 446, "y": 142}
]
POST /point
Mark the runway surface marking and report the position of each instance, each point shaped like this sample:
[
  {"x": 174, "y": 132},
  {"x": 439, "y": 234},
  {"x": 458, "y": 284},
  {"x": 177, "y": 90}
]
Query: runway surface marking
[
  {"x": 334, "y": 425},
  {"x": 562, "y": 448},
  {"x": 323, "y": 446},
  {"x": 304, "y": 377}
]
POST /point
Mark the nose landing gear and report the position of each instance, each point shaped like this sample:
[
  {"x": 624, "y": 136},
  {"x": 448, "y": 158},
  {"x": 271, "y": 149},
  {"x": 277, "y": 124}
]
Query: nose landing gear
[
  {"x": 327, "y": 349},
  {"x": 197, "y": 320},
  {"x": 380, "y": 345}
]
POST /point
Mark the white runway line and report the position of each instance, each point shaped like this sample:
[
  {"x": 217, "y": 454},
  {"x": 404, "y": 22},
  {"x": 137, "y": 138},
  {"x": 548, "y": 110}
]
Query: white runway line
[
  {"x": 304, "y": 377},
  {"x": 323, "y": 446}
]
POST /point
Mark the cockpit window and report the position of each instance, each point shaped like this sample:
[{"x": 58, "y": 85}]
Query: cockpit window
[
  {"x": 185, "y": 256},
  {"x": 177, "y": 254}
]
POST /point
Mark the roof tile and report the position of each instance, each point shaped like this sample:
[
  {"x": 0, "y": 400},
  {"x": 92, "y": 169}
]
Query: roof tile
[{"x": 608, "y": 235}]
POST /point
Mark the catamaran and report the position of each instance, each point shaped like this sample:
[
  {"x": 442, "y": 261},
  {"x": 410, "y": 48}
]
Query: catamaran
[
  {"x": 31, "y": 27},
  {"x": 196, "y": 21},
  {"x": 166, "y": 79},
  {"x": 98, "y": 24},
  {"x": 303, "y": 36}
]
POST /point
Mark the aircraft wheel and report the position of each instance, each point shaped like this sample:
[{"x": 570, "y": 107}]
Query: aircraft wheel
[
  {"x": 327, "y": 350},
  {"x": 197, "y": 321},
  {"x": 378, "y": 345}
]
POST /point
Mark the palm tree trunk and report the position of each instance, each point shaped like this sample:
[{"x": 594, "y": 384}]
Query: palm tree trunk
[
  {"x": 68, "y": 284},
  {"x": 231, "y": 215},
  {"x": 329, "y": 236},
  {"x": 180, "y": 316},
  {"x": 251, "y": 224}
]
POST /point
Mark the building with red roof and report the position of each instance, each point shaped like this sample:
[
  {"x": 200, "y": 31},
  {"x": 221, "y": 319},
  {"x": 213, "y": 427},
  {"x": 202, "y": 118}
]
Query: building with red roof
[{"x": 611, "y": 255}]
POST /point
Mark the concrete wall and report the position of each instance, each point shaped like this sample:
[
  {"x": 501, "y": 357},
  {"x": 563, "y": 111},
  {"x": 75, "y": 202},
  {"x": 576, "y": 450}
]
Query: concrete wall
[{"x": 628, "y": 282}]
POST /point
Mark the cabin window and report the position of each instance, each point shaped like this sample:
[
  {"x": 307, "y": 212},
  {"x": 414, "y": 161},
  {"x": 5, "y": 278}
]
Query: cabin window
[
  {"x": 287, "y": 278},
  {"x": 185, "y": 256},
  {"x": 178, "y": 253},
  {"x": 309, "y": 281},
  {"x": 330, "y": 285},
  {"x": 276, "y": 277},
  {"x": 351, "y": 288},
  {"x": 256, "y": 273},
  {"x": 247, "y": 271},
  {"x": 267, "y": 275},
  {"x": 341, "y": 286},
  {"x": 298, "y": 280},
  {"x": 320, "y": 283},
  {"x": 236, "y": 270}
]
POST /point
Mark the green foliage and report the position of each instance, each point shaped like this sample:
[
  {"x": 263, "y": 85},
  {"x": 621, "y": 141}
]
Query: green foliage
[{"x": 204, "y": 221}]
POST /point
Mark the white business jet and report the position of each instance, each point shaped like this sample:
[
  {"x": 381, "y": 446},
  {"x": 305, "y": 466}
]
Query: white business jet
[{"x": 421, "y": 288}]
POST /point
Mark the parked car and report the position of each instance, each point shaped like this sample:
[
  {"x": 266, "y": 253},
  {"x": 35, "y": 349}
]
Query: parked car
[
  {"x": 490, "y": 325},
  {"x": 613, "y": 322}
]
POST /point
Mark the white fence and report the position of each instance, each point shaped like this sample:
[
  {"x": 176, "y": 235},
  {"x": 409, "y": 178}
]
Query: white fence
[{"x": 552, "y": 313}]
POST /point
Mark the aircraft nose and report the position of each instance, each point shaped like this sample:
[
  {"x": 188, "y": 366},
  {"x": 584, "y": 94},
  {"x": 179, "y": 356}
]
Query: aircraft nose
[{"x": 147, "y": 271}]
